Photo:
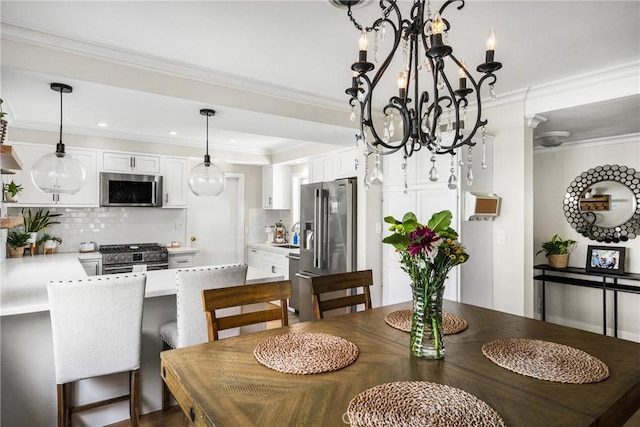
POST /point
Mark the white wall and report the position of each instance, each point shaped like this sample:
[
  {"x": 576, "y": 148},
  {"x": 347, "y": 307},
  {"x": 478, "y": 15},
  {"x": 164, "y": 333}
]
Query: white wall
[
  {"x": 512, "y": 147},
  {"x": 554, "y": 170}
]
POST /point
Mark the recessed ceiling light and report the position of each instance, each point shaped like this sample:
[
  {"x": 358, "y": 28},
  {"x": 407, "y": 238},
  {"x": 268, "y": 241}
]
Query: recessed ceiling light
[
  {"x": 102, "y": 124},
  {"x": 232, "y": 141},
  {"x": 173, "y": 132}
]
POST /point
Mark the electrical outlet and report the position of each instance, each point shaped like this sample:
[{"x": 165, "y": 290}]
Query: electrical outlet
[
  {"x": 539, "y": 303},
  {"x": 179, "y": 226},
  {"x": 502, "y": 238},
  {"x": 378, "y": 228}
]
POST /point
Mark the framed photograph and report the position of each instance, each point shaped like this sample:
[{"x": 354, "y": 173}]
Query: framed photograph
[{"x": 605, "y": 259}]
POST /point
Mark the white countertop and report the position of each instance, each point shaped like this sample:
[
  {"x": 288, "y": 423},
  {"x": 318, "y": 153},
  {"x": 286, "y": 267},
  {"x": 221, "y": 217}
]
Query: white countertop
[
  {"x": 275, "y": 247},
  {"x": 23, "y": 281}
]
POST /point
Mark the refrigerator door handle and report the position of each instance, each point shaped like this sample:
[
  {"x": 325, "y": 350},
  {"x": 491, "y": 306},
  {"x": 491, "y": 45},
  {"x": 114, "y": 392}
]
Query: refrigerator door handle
[
  {"x": 317, "y": 227},
  {"x": 324, "y": 242}
]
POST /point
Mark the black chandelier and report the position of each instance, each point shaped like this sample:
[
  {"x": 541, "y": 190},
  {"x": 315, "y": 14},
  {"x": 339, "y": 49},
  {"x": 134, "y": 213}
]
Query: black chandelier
[{"x": 437, "y": 121}]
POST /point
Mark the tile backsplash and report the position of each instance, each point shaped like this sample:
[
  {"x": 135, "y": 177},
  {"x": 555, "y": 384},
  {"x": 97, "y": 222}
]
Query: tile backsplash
[
  {"x": 259, "y": 218},
  {"x": 108, "y": 226}
]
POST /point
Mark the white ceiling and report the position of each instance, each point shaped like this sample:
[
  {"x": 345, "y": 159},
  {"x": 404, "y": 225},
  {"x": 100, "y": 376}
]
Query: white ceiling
[{"x": 289, "y": 50}]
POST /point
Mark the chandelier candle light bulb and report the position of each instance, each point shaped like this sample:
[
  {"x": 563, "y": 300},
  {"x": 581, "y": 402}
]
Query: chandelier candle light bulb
[
  {"x": 491, "y": 46},
  {"x": 402, "y": 85},
  {"x": 363, "y": 43},
  {"x": 463, "y": 75}
]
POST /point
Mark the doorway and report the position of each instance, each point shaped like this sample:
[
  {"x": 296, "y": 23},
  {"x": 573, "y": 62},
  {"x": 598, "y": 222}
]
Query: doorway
[{"x": 215, "y": 225}]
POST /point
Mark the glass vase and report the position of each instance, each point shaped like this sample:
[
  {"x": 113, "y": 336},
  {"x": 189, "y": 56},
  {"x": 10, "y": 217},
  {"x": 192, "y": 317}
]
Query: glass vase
[{"x": 426, "y": 325}]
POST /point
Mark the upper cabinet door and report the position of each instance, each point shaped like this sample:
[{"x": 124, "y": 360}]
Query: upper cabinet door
[
  {"x": 175, "y": 191},
  {"x": 345, "y": 164},
  {"x": 276, "y": 187},
  {"x": 32, "y": 196},
  {"x": 127, "y": 162}
]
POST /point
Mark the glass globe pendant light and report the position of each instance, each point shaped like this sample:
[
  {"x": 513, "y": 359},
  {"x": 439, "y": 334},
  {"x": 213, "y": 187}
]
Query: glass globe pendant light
[
  {"x": 206, "y": 178},
  {"x": 59, "y": 172}
]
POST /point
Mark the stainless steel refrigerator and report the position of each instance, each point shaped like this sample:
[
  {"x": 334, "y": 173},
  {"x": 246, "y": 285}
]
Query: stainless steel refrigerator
[{"x": 328, "y": 233}]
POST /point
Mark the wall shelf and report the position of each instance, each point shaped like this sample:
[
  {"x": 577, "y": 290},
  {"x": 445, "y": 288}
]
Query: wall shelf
[
  {"x": 9, "y": 158},
  {"x": 10, "y": 222}
]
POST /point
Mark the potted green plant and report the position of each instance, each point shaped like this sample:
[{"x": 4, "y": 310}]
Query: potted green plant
[
  {"x": 49, "y": 242},
  {"x": 10, "y": 191},
  {"x": 34, "y": 223},
  {"x": 17, "y": 241},
  {"x": 3, "y": 124},
  {"x": 557, "y": 250}
]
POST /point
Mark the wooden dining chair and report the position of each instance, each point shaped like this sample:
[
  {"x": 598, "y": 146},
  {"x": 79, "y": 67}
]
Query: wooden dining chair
[
  {"x": 97, "y": 328},
  {"x": 238, "y": 296},
  {"x": 323, "y": 285}
]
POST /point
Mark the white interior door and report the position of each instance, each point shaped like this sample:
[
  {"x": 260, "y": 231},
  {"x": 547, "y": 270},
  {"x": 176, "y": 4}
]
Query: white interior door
[{"x": 215, "y": 224}]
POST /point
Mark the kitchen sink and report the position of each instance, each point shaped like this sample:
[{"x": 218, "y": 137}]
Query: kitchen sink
[{"x": 285, "y": 246}]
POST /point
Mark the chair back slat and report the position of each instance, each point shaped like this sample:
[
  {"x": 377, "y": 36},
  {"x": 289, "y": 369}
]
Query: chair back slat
[
  {"x": 341, "y": 282},
  {"x": 238, "y": 296}
]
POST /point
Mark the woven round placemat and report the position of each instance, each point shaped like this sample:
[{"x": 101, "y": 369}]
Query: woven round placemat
[
  {"x": 306, "y": 353},
  {"x": 401, "y": 319},
  {"x": 420, "y": 403},
  {"x": 546, "y": 360}
]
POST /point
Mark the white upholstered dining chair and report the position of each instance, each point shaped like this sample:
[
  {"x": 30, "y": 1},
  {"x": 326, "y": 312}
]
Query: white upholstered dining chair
[
  {"x": 96, "y": 326},
  {"x": 190, "y": 326}
]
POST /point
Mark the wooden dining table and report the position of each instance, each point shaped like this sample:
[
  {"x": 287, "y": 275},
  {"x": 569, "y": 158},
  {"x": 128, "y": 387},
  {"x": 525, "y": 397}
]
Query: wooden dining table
[{"x": 222, "y": 384}]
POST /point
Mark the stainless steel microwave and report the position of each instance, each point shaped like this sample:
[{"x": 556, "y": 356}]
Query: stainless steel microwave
[{"x": 120, "y": 189}]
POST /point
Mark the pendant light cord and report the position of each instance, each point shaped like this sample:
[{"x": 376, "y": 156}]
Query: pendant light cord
[
  {"x": 207, "y": 146},
  {"x": 60, "y": 146},
  {"x": 60, "y": 117}
]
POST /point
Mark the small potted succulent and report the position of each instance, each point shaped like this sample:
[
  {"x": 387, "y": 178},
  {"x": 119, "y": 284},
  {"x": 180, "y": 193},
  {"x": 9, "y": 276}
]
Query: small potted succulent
[
  {"x": 17, "y": 241},
  {"x": 49, "y": 242},
  {"x": 557, "y": 250},
  {"x": 10, "y": 191}
]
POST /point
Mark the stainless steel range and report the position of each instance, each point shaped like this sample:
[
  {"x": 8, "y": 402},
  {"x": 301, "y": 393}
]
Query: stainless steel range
[{"x": 122, "y": 258}]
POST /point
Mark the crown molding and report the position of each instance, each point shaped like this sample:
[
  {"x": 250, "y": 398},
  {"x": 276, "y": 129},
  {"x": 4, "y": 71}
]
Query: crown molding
[
  {"x": 597, "y": 142},
  {"x": 157, "y": 64}
]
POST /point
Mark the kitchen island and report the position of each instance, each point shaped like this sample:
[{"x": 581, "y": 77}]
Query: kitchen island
[{"x": 26, "y": 354}]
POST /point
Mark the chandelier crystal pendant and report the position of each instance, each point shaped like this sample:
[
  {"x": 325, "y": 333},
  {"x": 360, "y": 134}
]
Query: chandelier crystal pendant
[
  {"x": 437, "y": 120},
  {"x": 59, "y": 172},
  {"x": 206, "y": 178}
]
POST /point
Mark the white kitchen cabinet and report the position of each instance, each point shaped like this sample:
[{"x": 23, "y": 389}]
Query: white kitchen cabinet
[
  {"x": 32, "y": 196},
  {"x": 174, "y": 186},
  {"x": 254, "y": 258},
  {"x": 276, "y": 263},
  {"x": 130, "y": 162},
  {"x": 276, "y": 187},
  {"x": 321, "y": 168},
  {"x": 344, "y": 164},
  {"x": 93, "y": 267},
  {"x": 181, "y": 260}
]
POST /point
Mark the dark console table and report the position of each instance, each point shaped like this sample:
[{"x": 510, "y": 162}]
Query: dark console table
[{"x": 604, "y": 281}]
